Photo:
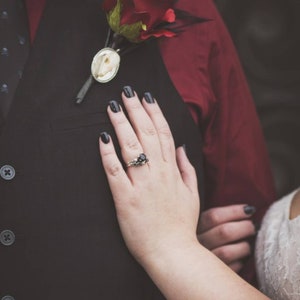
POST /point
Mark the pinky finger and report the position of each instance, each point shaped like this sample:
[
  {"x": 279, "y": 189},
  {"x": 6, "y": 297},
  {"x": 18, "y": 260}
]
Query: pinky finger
[
  {"x": 117, "y": 177},
  {"x": 187, "y": 171}
]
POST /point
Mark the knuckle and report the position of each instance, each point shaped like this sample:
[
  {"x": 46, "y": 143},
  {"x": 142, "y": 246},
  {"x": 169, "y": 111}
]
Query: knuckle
[
  {"x": 107, "y": 153},
  {"x": 212, "y": 217},
  {"x": 114, "y": 169},
  {"x": 149, "y": 131},
  {"x": 164, "y": 130},
  {"x": 225, "y": 231},
  {"x": 132, "y": 144},
  {"x": 121, "y": 120}
]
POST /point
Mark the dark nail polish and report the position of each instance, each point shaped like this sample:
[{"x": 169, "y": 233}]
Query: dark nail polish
[
  {"x": 114, "y": 106},
  {"x": 249, "y": 210},
  {"x": 128, "y": 91},
  {"x": 148, "y": 97},
  {"x": 184, "y": 147},
  {"x": 104, "y": 137}
]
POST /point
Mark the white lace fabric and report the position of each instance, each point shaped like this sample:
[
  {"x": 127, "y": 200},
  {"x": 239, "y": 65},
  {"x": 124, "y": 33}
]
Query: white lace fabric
[{"x": 278, "y": 252}]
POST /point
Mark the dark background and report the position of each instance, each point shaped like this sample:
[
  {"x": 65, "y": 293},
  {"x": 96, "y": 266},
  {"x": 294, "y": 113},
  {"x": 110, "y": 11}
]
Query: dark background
[{"x": 266, "y": 34}]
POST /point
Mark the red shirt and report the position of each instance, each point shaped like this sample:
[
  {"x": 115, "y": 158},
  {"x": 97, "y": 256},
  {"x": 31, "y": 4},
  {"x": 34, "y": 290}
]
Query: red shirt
[{"x": 210, "y": 80}]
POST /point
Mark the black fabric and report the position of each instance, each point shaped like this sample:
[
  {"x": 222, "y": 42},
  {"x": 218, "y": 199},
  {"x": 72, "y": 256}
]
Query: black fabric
[
  {"x": 68, "y": 244},
  {"x": 14, "y": 47}
]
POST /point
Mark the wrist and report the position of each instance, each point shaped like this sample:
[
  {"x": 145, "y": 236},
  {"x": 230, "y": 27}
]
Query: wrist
[{"x": 169, "y": 252}]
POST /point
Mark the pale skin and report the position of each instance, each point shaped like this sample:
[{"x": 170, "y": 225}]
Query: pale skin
[
  {"x": 295, "y": 206},
  {"x": 223, "y": 228},
  {"x": 157, "y": 207},
  {"x": 224, "y": 231}
]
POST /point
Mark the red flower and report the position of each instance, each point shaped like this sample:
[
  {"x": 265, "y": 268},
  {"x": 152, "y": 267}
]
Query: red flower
[{"x": 149, "y": 14}]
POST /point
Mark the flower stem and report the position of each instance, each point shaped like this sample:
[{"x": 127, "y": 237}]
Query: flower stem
[{"x": 83, "y": 91}]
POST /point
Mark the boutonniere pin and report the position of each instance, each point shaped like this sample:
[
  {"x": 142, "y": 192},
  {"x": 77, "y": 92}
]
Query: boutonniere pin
[{"x": 131, "y": 23}]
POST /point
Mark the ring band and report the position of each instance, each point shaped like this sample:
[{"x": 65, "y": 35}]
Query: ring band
[{"x": 139, "y": 161}]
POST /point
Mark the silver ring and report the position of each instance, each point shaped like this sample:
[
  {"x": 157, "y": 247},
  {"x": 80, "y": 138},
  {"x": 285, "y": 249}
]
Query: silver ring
[{"x": 139, "y": 161}]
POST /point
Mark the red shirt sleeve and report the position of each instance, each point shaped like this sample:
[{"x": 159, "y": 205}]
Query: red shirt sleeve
[{"x": 204, "y": 67}]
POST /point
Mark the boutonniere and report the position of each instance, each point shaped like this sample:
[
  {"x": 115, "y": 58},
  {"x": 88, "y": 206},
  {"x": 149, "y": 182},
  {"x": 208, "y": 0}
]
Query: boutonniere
[{"x": 131, "y": 23}]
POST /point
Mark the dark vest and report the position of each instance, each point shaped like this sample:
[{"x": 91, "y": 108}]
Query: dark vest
[{"x": 58, "y": 205}]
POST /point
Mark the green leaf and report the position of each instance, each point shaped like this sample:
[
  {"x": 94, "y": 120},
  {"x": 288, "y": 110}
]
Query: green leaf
[{"x": 130, "y": 31}]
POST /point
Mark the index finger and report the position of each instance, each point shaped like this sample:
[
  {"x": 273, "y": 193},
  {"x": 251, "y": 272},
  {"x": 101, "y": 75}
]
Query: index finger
[{"x": 220, "y": 215}]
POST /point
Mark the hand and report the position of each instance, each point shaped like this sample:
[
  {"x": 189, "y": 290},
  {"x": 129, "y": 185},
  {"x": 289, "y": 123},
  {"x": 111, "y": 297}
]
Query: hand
[
  {"x": 157, "y": 203},
  {"x": 224, "y": 231},
  {"x": 157, "y": 206}
]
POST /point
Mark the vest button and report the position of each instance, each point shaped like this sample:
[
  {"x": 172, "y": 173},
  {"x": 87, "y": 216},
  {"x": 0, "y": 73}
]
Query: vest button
[
  {"x": 7, "y": 298},
  {"x": 4, "y": 88},
  {"x": 7, "y": 237},
  {"x": 7, "y": 172},
  {"x": 22, "y": 40},
  {"x": 4, "y": 15},
  {"x": 4, "y": 51}
]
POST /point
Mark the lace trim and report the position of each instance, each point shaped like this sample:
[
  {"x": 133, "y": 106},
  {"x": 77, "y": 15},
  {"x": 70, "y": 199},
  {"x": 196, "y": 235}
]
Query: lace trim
[{"x": 278, "y": 252}]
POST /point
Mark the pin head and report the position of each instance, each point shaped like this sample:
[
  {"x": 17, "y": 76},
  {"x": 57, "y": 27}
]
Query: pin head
[{"x": 105, "y": 65}]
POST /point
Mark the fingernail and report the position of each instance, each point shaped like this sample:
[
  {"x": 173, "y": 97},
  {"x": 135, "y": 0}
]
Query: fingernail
[
  {"x": 249, "y": 210},
  {"x": 128, "y": 91},
  {"x": 114, "y": 106},
  {"x": 104, "y": 137},
  {"x": 184, "y": 148},
  {"x": 148, "y": 97}
]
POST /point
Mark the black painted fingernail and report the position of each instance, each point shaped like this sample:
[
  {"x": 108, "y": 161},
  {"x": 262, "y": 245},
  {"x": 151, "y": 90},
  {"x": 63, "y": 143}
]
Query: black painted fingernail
[
  {"x": 128, "y": 91},
  {"x": 104, "y": 137},
  {"x": 249, "y": 210},
  {"x": 114, "y": 106},
  {"x": 148, "y": 97}
]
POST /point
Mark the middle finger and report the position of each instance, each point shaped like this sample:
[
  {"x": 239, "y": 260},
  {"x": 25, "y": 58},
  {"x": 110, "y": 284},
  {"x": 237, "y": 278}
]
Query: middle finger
[{"x": 142, "y": 124}]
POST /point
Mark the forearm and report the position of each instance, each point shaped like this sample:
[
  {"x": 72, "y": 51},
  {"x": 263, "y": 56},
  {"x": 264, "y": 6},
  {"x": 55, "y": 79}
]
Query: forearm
[{"x": 193, "y": 272}]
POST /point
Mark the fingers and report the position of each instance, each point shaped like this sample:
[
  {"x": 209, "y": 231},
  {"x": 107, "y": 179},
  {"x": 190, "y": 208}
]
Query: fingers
[
  {"x": 142, "y": 124},
  {"x": 233, "y": 254},
  {"x": 187, "y": 171},
  {"x": 146, "y": 131},
  {"x": 226, "y": 234},
  {"x": 224, "y": 229},
  {"x": 220, "y": 215},
  {"x": 230, "y": 254},
  {"x": 162, "y": 128},
  {"x": 129, "y": 143},
  {"x": 147, "y": 128},
  {"x": 117, "y": 178}
]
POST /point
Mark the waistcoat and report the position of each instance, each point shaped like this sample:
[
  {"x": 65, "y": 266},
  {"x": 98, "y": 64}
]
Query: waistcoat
[{"x": 67, "y": 243}]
